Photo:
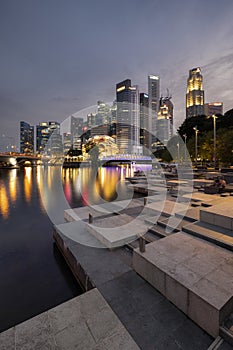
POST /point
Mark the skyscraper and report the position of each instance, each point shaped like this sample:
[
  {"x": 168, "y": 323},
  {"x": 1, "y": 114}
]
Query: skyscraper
[
  {"x": 76, "y": 131},
  {"x": 144, "y": 119},
  {"x": 103, "y": 113},
  {"x": 26, "y": 138},
  {"x": 213, "y": 108},
  {"x": 67, "y": 142},
  {"x": 128, "y": 119},
  {"x": 195, "y": 93},
  {"x": 48, "y": 131},
  {"x": 154, "y": 94},
  {"x": 165, "y": 120}
]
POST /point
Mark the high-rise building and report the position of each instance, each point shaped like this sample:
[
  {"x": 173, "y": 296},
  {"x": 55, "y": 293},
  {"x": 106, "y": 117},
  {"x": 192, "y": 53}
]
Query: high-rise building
[
  {"x": 213, "y": 108},
  {"x": 144, "y": 119},
  {"x": 195, "y": 93},
  {"x": 165, "y": 120},
  {"x": 113, "y": 118},
  {"x": 154, "y": 95},
  {"x": 91, "y": 120},
  {"x": 67, "y": 142},
  {"x": 48, "y": 138},
  {"x": 103, "y": 113},
  {"x": 26, "y": 138},
  {"x": 128, "y": 118},
  {"x": 99, "y": 123},
  {"x": 76, "y": 131}
]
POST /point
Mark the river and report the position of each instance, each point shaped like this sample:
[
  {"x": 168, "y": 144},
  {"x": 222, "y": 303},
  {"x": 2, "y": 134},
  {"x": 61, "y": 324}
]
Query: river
[{"x": 33, "y": 275}]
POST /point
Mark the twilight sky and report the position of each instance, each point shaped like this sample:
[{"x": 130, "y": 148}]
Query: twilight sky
[{"x": 60, "y": 56}]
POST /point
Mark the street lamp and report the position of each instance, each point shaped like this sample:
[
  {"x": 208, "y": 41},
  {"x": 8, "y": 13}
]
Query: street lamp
[
  {"x": 214, "y": 120},
  {"x": 185, "y": 149},
  {"x": 178, "y": 152},
  {"x": 196, "y": 132}
]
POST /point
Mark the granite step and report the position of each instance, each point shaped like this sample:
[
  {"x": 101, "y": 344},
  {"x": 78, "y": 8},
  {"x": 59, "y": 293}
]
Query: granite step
[
  {"x": 217, "y": 235},
  {"x": 174, "y": 224},
  {"x": 191, "y": 214}
]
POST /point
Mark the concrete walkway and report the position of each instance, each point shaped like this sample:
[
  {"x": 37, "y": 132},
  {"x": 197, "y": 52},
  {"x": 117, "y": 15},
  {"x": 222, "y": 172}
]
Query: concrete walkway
[
  {"x": 86, "y": 322},
  {"x": 122, "y": 311}
]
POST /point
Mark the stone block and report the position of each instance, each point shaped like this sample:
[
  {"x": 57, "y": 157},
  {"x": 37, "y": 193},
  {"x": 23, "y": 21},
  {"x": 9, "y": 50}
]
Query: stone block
[
  {"x": 7, "y": 339},
  {"x": 149, "y": 272},
  {"x": 177, "y": 293},
  {"x": 207, "y": 217},
  {"x": 223, "y": 221},
  {"x": 204, "y": 314}
]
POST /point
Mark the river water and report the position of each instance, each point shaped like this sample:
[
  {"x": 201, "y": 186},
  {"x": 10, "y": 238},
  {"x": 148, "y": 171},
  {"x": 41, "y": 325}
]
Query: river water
[{"x": 33, "y": 275}]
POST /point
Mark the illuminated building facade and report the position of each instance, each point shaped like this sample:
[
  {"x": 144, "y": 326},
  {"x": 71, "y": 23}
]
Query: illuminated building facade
[
  {"x": 144, "y": 119},
  {"x": 26, "y": 138},
  {"x": 48, "y": 138},
  {"x": 67, "y": 142},
  {"x": 195, "y": 93},
  {"x": 153, "y": 95},
  {"x": 103, "y": 113},
  {"x": 76, "y": 131},
  {"x": 128, "y": 118},
  {"x": 165, "y": 120},
  {"x": 213, "y": 108}
]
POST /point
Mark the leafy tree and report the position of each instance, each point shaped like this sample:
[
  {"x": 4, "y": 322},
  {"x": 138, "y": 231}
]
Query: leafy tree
[{"x": 224, "y": 137}]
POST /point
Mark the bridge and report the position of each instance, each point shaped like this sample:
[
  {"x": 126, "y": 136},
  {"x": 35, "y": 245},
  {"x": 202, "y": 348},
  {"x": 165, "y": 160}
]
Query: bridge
[
  {"x": 14, "y": 160},
  {"x": 126, "y": 158}
]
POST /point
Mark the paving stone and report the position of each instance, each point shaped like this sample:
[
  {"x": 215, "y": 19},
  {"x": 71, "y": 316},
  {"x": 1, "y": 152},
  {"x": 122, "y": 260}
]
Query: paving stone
[
  {"x": 85, "y": 322},
  {"x": 75, "y": 337},
  {"x": 119, "y": 340},
  {"x": 65, "y": 315},
  {"x": 7, "y": 339}
]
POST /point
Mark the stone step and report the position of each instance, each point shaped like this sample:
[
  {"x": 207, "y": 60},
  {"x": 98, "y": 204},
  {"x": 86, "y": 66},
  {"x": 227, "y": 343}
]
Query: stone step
[
  {"x": 157, "y": 230},
  {"x": 149, "y": 238},
  {"x": 211, "y": 233},
  {"x": 220, "y": 215},
  {"x": 173, "y": 224},
  {"x": 191, "y": 214}
]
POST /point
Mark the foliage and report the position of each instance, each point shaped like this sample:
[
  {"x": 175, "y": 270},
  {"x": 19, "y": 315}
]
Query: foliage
[{"x": 224, "y": 137}]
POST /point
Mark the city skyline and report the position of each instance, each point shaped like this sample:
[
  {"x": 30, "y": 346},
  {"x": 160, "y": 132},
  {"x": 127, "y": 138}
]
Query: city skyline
[{"x": 58, "y": 59}]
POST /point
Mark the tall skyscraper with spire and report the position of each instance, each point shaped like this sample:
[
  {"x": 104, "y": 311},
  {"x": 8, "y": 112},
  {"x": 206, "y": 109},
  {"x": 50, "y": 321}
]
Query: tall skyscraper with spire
[
  {"x": 153, "y": 104},
  {"x": 195, "y": 93}
]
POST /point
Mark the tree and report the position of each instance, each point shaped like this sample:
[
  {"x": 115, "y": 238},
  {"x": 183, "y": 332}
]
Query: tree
[{"x": 224, "y": 139}]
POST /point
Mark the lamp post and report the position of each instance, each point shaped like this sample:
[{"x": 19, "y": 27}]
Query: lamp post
[
  {"x": 178, "y": 153},
  {"x": 214, "y": 120},
  {"x": 185, "y": 148},
  {"x": 196, "y": 133}
]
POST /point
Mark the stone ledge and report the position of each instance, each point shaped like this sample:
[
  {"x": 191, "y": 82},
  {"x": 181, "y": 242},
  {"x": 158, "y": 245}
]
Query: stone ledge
[{"x": 183, "y": 269}]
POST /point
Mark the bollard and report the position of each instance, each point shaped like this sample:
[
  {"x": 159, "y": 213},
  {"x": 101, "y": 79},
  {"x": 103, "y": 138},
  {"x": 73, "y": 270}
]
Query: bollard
[
  {"x": 145, "y": 200},
  {"x": 90, "y": 218},
  {"x": 142, "y": 245}
]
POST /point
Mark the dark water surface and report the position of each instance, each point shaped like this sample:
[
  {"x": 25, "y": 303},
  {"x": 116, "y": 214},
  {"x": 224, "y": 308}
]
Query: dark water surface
[{"x": 33, "y": 275}]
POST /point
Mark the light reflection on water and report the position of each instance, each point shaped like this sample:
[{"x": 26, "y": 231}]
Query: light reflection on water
[
  {"x": 87, "y": 186},
  {"x": 33, "y": 275},
  {"x": 81, "y": 186}
]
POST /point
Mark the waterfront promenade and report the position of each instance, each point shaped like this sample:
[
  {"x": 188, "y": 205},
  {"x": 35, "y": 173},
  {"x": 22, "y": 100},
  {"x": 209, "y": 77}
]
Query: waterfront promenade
[{"x": 137, "y": 315}]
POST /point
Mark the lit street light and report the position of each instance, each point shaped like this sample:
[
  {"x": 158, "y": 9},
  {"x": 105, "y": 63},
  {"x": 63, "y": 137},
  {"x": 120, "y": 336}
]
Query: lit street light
[
  {"x": 196, "y": 133},
  {"x": 178, "y": 152},
  {"x": 214, "y": 120},
  {"x": 185, "y": 149}
]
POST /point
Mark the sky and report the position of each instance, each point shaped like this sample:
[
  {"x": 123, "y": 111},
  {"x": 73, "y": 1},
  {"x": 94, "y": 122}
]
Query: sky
[{"x": 61, "y": 56}]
